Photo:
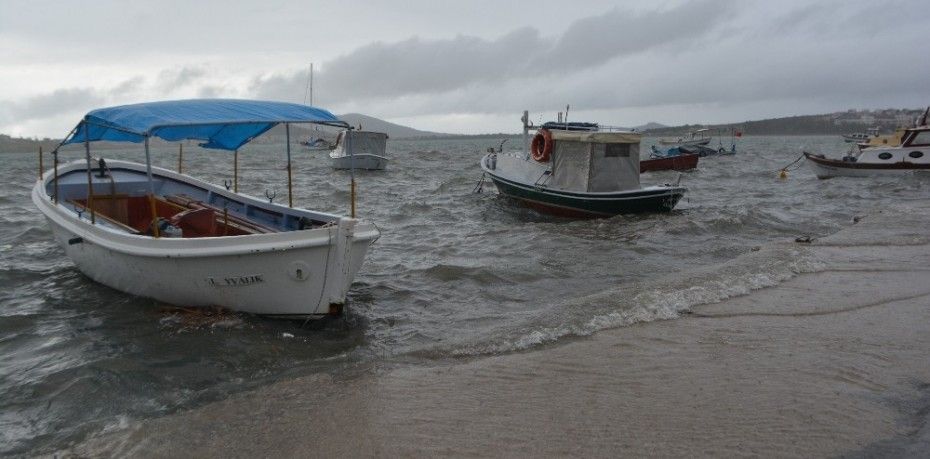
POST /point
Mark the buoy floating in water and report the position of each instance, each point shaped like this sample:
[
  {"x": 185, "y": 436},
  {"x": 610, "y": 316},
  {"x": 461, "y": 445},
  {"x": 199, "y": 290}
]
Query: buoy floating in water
[{"x": 783, "y": 174}]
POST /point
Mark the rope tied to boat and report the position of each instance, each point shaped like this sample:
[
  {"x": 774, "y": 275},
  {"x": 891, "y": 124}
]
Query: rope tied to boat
[
  {"x": 480, "y": 185},
  {"x": 793, "y": 165}
]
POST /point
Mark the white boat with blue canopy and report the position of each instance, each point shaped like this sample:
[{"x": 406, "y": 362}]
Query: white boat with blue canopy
[{"x": 161, "y": 234}]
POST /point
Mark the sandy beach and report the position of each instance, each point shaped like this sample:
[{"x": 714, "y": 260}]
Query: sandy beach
[{"x": 830, "y": 362}]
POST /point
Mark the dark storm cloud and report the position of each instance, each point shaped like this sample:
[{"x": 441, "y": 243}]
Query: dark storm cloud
[
  {"x": 417, "y": 66},
  {"x": 175, "y": 78},
  {"x": 51, "y": 104},
  {"x": 127, "y": 86},
  {"x": 679, "y": 60},
  {"x": 591, "y": 41}
]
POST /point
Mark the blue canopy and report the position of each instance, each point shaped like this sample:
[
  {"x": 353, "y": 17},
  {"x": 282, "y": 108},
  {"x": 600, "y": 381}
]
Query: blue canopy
[{"x": 225, "y": 124}]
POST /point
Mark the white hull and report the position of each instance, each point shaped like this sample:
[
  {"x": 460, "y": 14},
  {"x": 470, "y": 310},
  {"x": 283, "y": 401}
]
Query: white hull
[
  {"x": 360, "y": 161},
  {"x": 872, "y": 162},
  {"x": 694, "y": 142},
  {"x": 823, "y": 171},
  {"x": 288, "y": 273}
]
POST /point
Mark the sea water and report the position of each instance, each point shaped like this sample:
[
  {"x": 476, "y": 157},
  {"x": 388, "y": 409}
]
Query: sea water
[{"x": 455, "y": 273}]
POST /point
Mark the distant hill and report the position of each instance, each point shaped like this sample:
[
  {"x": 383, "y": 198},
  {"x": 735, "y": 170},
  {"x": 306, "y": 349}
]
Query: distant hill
[
  {"x": 649, "y": 126},
  {"x": 828, "y": 124},
  {"x": 394, "y": 131},
  {"x": 23, "y": 145}
]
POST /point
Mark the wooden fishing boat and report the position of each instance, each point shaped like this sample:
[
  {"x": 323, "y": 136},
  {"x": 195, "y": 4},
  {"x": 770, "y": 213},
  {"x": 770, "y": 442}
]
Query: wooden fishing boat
[
  {"x": 168, "y": 236},
  {"x": 579, "y": 173},
  {"x": 681, "y": 162}
]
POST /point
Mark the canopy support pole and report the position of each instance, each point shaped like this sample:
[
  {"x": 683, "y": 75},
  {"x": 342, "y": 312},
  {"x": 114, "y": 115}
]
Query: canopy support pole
[
  {"x": 90, "y": 185},
  {"x": 290, "y": 190},
  {"x": 148, "y": 172},
  {"x": 55, "y": 158},
  {"x": 180, "y": 158},
  {"x": 236, "y": 171},
  {"x": 40, "y": 162},
  {"x": 351, "y": 171}
]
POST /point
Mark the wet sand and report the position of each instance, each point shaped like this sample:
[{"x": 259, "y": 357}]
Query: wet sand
[{"x": 833, "y": 362}]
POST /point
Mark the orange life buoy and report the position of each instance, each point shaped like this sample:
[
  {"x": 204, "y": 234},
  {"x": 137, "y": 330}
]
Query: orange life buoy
[{"x": 542, "y": 145}]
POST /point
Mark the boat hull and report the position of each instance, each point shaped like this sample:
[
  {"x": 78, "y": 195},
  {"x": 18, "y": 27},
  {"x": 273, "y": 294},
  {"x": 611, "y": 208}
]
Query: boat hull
[
  {"x": 828, "y": 168},
  {"x": 694, "y": 142},
  {"x": 566, "y": 205},
  {"x": 304, "y": 273},
  {"x": 676, "y": 163},
  {"x": 584, "y": 205},
  {"x": 362, "y": 161}
]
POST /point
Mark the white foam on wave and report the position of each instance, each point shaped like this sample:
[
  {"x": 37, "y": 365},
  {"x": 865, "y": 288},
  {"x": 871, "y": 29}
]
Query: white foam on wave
[{"x": 661, "y": 299}]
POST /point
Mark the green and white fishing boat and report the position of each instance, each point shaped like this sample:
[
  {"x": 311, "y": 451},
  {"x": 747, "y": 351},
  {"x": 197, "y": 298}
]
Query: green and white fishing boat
[{"x": 578, "y": 173}]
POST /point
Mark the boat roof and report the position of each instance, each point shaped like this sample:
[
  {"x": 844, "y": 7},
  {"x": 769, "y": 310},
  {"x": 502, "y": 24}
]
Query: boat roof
[
  {"x": 224, "y": 124},
  {"x": 597, "y": 136}
]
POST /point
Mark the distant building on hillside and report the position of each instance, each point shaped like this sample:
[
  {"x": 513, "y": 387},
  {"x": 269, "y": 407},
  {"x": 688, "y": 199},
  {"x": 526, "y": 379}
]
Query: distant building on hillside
[{"x": 883, "y": 118}]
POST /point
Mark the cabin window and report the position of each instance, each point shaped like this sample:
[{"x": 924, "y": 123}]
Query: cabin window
[
  {"x": 922, "y": 138},
  {"x": 884, "y": 155},
  {"x": 916, "y": 154},
  {"x": 617, "y": 150}
]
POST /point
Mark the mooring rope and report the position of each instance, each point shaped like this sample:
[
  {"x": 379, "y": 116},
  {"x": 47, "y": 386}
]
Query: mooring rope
[{"x": 480, "y": 185}]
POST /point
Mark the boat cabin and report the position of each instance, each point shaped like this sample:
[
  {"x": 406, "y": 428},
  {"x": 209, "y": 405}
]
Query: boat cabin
[
  {"x": 361, "y": 143},
  {"x": 584, "y": 161}
]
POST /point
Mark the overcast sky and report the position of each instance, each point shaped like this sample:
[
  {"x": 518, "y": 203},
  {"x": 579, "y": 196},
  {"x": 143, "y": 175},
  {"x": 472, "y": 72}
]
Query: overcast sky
[{"x": 467, "y": 66}]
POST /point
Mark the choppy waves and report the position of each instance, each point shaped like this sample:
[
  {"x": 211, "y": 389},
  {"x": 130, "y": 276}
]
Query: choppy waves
[{"x": 454, "y": 274}]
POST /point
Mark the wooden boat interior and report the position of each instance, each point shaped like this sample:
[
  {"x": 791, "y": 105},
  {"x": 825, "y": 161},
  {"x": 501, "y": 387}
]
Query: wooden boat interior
[{"x": 120, "y": 201}]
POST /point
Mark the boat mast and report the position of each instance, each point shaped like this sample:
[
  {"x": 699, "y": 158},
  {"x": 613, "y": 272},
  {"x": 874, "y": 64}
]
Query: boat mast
[
  {"x": 526, "y": 135},
  {"x": 309, "y": 88}
]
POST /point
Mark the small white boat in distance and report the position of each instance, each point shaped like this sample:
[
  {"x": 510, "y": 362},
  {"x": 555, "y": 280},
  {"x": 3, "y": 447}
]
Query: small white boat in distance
[
  {"x": 861, "y": 137},
  {"x": 698, "y": 137},
  {"x": 360, "y": 150},
  {"x": 316, "y": 144},
  {"x": 160, "y": 234}
]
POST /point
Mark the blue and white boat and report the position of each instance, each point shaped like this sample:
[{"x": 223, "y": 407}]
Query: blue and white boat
[{"x": 164, "y": 235}]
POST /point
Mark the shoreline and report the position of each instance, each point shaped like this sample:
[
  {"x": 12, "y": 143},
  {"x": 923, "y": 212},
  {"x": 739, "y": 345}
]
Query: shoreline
[{"x": 829, "y": 362}]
